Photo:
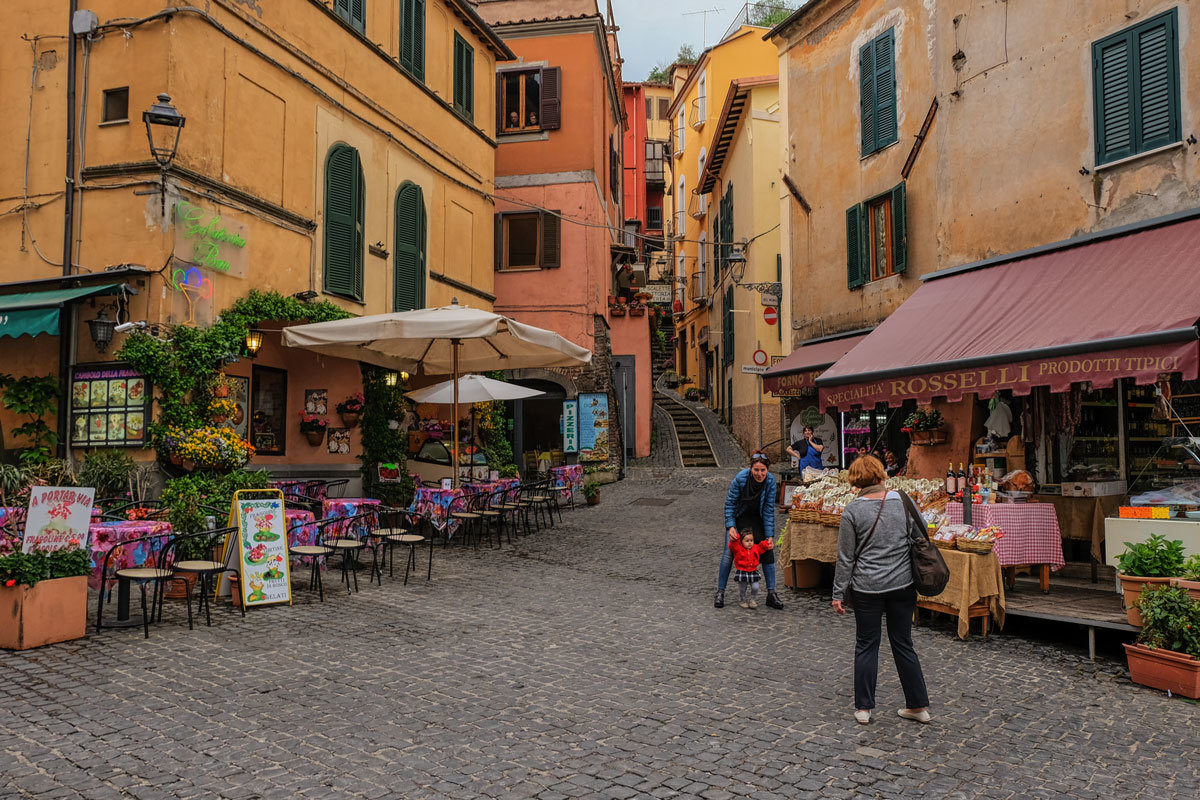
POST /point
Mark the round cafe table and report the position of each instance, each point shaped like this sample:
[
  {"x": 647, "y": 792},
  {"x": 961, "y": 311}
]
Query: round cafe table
[{"x": 107, "y": 536}]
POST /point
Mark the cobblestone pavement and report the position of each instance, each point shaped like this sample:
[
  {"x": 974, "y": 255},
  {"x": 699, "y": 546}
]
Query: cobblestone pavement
[
  {"x": 585, "y": 661},
  {"x": 664, "y": 451}
]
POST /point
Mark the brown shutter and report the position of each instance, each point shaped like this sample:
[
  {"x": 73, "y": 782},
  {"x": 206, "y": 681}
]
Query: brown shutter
[
  {"x": 551, "y": 98},
  {"x": 499, "y": 104},
  {"x": 551, "y": 246},
  {"x": 498, "y": 244}
]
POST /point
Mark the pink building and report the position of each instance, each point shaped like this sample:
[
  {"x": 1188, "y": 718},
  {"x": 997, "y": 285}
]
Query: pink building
[{"x": 560, "y": 223}]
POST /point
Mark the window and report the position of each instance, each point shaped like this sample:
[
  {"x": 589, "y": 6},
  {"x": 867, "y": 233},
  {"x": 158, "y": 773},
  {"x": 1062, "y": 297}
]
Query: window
[
  {"x": 727, "y": 329},
  {"x": 664, "y": 107},
  {"x": 680, "y": 139},
  {"x": 680, "y": 209},
  {"x": 877, "y": 81},
  {"x": 701, "y": 258},
  {"x": 408, "y": 288},
  {"x": 529, "y": 100},
  {"x": 528, "y": 240},
  {"x": 649, "y": 108},
  {"x": 116, "y": 105},
  {"x": 702, "y": 99},
  {"x": 1135, "y": 75},
  {"x": 725, "y": 231},
  {"x": 654, "y": 218},
  {"x": 268, "y": 411},
  {"x": 614, "y": 169},
  {"x": 344, "y": 239},
  {"x": 464, "y": 78},
  {"x": 354, "y": 12},
  {"x": 412, "y": 37},
  {"x": 876, "y": 238}
]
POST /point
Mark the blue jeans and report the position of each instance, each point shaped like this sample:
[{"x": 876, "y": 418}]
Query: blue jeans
[{"x": 727, "y": 567}]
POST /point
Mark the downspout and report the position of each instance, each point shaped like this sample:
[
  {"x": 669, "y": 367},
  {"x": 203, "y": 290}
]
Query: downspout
[{"x": 66, "y": 316}]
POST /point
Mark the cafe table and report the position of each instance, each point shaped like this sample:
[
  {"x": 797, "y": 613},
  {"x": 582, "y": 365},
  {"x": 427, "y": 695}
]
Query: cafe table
[
  {"x": 343, "y": 507},
  {"x": 975, "y": 590},
  {"x": 1031, "y": 534},
  {"x": 107, "y": 536},
  {"x": 434, "y": 503},
  {"x": 568, "y": 478}
]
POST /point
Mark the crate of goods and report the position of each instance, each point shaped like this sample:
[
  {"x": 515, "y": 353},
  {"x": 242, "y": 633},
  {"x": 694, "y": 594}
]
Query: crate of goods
[{"x": 1094, "y": 488}]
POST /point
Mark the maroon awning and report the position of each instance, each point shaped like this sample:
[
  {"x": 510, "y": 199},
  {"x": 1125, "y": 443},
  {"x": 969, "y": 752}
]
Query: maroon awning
[
  {"x": 1117, "y": 304},
  {"x": 796, "y": 375}
]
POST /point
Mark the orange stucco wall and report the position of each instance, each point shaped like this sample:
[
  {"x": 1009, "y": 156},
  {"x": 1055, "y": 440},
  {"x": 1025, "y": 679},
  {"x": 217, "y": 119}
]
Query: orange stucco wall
[{"x": 631, "y": 337}]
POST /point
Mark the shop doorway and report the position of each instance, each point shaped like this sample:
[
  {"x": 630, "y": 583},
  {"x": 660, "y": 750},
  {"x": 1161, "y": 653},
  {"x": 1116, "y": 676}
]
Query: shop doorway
[
  {"x": 625, "y": 389},
  {"x": 537, "y": 425}
]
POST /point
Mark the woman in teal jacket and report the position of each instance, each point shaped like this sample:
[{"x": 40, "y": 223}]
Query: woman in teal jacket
[{"x": 750, "y": 504}]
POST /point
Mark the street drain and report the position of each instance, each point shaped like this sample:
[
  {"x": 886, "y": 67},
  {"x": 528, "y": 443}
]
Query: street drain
[{"x": 653, "y": 501}]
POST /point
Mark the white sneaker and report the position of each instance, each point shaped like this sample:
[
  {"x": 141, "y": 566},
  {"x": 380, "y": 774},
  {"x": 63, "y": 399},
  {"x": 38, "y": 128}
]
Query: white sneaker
[
  {"x": 918, "y": 716},
  {"x": 744, "y": 604},
  {"x": 753, "y": 604},
  {"x": 863, "y": 716}
]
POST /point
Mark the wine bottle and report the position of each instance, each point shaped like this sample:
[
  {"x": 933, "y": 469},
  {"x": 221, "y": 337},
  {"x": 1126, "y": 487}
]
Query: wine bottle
[
  {"x": 951, "y": 479},
  {"x": 963, "y": 483}
]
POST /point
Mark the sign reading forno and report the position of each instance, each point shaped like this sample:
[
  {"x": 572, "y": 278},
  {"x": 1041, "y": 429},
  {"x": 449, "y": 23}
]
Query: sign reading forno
[{"x": 208, "y": 240}]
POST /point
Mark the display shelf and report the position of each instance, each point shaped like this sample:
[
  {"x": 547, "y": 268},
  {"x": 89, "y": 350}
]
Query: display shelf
[{"x": 1100, "y": 405}]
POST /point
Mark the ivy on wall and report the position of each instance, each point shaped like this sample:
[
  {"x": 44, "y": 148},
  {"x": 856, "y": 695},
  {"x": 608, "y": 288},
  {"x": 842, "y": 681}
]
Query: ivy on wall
[
  {"x": 183, "y": 365},
  {"x": 495, "y": 429},
  {"x": 383, "y": 438}
]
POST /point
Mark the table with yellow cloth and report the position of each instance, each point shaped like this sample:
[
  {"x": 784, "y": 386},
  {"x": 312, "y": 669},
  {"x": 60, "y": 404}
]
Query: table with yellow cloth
[
  {"x": 974, "y": 579},
  {"x": 1083, "y": 517},
  {"x": 801, "y": 540}
]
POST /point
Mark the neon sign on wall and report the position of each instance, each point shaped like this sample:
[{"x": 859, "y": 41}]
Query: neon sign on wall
[{"x": 213, "y": 243}]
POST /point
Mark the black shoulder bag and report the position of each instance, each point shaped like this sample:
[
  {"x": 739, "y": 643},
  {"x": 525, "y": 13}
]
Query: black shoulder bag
[
  {"x": 929, "y": 571},
  {"x": 848, "y": 594}
]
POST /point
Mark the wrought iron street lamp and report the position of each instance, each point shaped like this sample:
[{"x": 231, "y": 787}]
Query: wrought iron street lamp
[
  {"x": 163, "y": 123},
  {"x": 254, "y": 340},
  {"x": 102, "y": 330}
]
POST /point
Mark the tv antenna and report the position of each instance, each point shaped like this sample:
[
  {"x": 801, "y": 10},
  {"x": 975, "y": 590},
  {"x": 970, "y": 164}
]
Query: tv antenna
[{"x": 704, "y": 22}]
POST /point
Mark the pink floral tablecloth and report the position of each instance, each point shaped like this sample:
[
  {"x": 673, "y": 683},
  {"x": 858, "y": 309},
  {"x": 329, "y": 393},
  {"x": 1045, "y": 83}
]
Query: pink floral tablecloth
[
  {"x": 340, "y": 507},
  {"x": 1031, "y": 534},
  {"x": 568, "y": 479},
  {"x": 106, "y": 536},
  {"x": 491, "y": 487},
  {"x": 435, "y": 503},
  {"x": 298, "y": 487}
]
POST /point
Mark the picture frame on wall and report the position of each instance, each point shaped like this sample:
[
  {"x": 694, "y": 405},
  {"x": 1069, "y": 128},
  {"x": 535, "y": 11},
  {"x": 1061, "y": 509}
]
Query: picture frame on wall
[
  {"x": 316, "y": 401},
  {"x": 239, "y": 393}
]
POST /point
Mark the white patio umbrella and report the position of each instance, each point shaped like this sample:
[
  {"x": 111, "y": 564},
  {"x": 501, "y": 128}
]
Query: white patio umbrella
[
  {"x": 472, "y": 389},
  {"x": 439, "y": 341}
]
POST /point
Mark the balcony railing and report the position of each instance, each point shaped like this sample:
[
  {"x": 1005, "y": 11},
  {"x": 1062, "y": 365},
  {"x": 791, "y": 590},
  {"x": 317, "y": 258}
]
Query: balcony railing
[
  {"x": 698, "y": 113},
  {"x": 656, "y": 163},
  {"x": 697, "y": 287},
  {"x": 697, "y": 206}
]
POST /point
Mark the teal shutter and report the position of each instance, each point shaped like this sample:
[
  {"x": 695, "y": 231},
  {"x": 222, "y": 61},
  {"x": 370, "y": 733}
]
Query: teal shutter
[
  {"x": 343, "y": 223},
  {"x": 885, "y": 90},
  {"x": 899, "y": 230},
  {"x": 727, "y": 328},
  {"x": 358, "y": 15},
  {"x": 464, "y": 78},
  {"x": 866, "y": 81},
  {"x": 412, "y": 37},
  {"x": 856, "y": 266},
  {"x": 1135, "y": 75},
  {"x": 408, "y": 288}
]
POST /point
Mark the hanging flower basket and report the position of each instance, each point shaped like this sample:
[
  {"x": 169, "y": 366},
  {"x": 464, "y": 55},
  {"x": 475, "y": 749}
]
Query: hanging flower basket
[
  {"x": 637, "y": 311},
  {"x": 350, "y": 418},
  {"x": 315, "y": 437}
]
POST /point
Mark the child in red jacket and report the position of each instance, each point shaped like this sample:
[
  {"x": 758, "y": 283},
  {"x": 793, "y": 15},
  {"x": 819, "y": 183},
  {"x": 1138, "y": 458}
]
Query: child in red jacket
[{"x": 746, "y": 555}]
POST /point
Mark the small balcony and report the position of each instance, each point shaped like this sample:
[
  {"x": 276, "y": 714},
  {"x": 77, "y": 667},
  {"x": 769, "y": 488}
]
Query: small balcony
[
  {"x": 698, "y": 113},
  {"x": 697, "y": 287},
  {"x": 697, "y": 206},
  {"x": 656, "y": 163}
]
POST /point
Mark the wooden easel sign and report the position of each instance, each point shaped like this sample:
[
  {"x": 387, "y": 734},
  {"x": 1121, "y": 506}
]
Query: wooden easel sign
[{"x": 262, "y": 552}]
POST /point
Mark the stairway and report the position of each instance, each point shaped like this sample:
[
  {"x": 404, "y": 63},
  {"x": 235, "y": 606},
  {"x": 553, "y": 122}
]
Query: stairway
[{"x": 694, "y": 449}]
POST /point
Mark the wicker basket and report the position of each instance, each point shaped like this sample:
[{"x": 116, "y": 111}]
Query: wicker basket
[
  {"x": 831, "y": 520},
  {"x": 945, "y": 545},
  {"x": 804, "y": 515},
  {"x": 982, "y": 547}
]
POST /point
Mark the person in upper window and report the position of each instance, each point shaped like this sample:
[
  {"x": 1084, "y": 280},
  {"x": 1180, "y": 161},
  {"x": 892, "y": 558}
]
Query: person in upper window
[
  {"x": 514, "y": 120},
  {"x": 533, "y": 119}
]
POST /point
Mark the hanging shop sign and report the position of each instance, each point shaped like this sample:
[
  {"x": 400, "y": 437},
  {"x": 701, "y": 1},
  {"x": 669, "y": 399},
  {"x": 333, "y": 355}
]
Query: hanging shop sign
[
  {"x": 110, "y": 406},
  {"x": 57, "y": 517},
  {"x": 1101, "y": 369},
  {"x": 798, "y": 384},
  {"x": 570, "y": 419},
  {"x": 662, "y": 292},
  {"x": 593, "y": 426}
]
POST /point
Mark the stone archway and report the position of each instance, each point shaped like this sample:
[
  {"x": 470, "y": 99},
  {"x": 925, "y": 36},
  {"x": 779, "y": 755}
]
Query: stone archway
[
  {"x": 535, "y": 420},
  {"x": 570, "y": 390}
]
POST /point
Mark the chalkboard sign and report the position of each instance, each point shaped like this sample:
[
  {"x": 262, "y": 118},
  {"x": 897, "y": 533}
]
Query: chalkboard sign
[{"x": 1186, "y": 406}]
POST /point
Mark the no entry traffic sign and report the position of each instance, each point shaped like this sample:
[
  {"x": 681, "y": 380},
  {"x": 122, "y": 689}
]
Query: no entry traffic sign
[{"x": 770, "y": 315}]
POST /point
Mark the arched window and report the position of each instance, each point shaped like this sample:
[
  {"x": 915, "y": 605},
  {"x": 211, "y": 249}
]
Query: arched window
[
  {"x": 344, "y": 193},
  {"x": 408, "y": 280}
]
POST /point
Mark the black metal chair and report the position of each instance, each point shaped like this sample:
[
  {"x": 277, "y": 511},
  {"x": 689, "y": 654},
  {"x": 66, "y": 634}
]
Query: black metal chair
[
  {"x": 337, "y": 488},
  {"x": 462, "y": 510},
  {"x": 395, "y": 528},
  {"x": 157, "y": 572},
  {"x": 319, "y": 553},
  {"x": 492, "y": 508},
  {"x": 205, "y": 569},
  {"x": 348, "y": 537}
]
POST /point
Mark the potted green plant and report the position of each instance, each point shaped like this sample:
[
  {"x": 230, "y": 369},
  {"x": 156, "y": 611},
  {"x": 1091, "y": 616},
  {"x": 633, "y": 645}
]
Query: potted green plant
[
  {"x": 925, "y": 426},
  {"x": 220, "y": 409},
  {"x": 616, "y": 310},
  {"x": 507, "y": 471},
  {"x": 692, "y": 394},
  {"x": 671, "y": 378},
  {"x": 351, "y": 409},
  {"x": 1167, "y": 653},
  {"x": 13, "y": 480},
  {"x": 313, "y": 427},
  {"x": 107, "y": 471},
  {"x": 220, "y": 385},
  {"x": 43, "y": 595},
  {"x": 1189, "y": 576},
  {"x": 591, "y": 492},
  {"x": 1154, "y": 561}
]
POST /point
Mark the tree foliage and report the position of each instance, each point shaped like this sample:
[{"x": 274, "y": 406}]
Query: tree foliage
[{"x": 768, "y": 15}]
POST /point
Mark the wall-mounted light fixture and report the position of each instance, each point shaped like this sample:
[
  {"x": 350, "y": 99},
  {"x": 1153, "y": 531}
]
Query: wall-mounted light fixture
[
  {"x": 305, "y": 296},
  {"x": 102, "y": 330},
  {"x": 254, "y": 340},
  {"x": 163, "y": 124}
]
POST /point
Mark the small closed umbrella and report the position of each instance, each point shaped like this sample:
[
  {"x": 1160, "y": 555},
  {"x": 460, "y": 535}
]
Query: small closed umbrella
[
  {"x": 472, "y": 389},
  {"x": 439, "y": 341}
]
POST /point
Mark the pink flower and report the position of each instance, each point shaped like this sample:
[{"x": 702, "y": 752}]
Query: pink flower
[{"x": 73, "y": 542}]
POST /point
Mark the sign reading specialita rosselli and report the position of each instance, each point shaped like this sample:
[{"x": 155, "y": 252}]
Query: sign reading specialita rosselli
[{"x": 1144, "y": 364}]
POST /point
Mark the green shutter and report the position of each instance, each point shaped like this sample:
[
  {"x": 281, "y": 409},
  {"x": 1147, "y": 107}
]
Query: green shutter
[
  {"x": 358, "y": 15},
  {"x": 1135, "y": 81},
  {"x": 727, "y": 340},
  {"x": 885, "y": 90},
  {"x": 412, "y": 37},
  {"x": 856, "y": 266},
  {"x": 408, "y": 288},
  {"x": 464, "y": 78},
  {"x": 343, "y": 222},
  {"x": 866, "y": 81},
  {"x": 899, "y": 230}
]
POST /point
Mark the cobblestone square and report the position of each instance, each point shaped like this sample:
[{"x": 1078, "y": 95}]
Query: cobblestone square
[{"x": 585, "y": 661}]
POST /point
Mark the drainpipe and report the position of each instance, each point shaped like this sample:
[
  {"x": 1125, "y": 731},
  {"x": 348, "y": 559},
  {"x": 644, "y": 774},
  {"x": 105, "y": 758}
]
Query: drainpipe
[{"x": 66, "y": 316}]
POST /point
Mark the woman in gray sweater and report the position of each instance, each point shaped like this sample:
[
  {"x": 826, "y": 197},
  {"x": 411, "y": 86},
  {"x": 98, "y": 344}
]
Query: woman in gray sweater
[{"x": 873, "y": 559}]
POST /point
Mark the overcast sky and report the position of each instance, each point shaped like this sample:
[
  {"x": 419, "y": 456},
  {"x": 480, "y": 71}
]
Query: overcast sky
[{"x": 652, "y": 30}]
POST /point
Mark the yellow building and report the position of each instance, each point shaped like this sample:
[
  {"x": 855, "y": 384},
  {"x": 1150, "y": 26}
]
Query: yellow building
[
  {"x": 695, "y": 111},
  {"x": 741, "y": 180},
  {"x": 338, "y": 150}
]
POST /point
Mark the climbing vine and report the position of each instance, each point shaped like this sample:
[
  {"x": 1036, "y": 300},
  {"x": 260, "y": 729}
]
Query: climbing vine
[
  {"x": 495, "y": 430},
  {"x": 183, "y": 365},
  {"x": 384, "y": 440}
]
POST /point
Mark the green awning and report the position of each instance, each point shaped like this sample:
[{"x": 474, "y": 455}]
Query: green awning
[{"x": 35, "y": 313}]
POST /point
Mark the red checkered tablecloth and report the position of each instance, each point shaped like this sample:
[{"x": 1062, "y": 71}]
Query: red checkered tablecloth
[{"x": 1031, "y": 534}]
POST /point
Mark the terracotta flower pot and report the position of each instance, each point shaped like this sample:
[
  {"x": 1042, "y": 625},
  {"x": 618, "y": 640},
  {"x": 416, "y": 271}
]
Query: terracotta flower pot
[
  {"x": 350, "y": 418},
  {"x": 51, "y": 611},
  {"x": 220, "y": 391},
  {"x": 1164, "y": 669},
  {"x": 188, "y": 464},
  {"x": 315, "y": 437},
  {"x": 1131, "y": 587},
  {"x": 593, "y": 500},
  {"x": 175, "y": 589},
  {"x": 1193, "y": 587},
  {"x": 217, "y": 419},
  {"x": 175, "y": 459}
]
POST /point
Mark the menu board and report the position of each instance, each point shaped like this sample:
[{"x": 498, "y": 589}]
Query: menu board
[
  {"x": 58, "y": 516},
  {"x": 593, "y": 426},
  {"x": 262, "y": 551},
  {"x": 110, "y": 406}
]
